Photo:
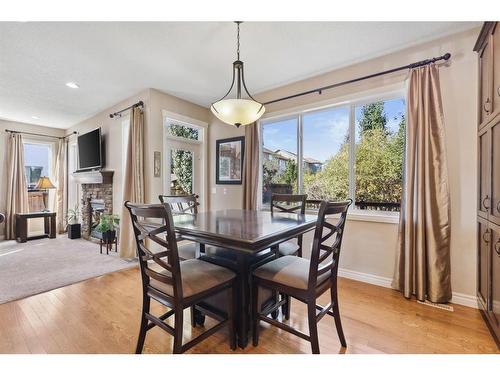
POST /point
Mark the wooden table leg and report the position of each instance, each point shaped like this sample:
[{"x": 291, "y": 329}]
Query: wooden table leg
[
  {"x": 46, "y": 229},
  {"x": 21, "y": 229},
  {"x": 52, "y": 230},
  {"x": 243, "y": 303}
]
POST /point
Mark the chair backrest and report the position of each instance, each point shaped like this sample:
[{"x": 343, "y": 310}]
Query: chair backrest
[
  {"x": 181, "y": 204},
  {"x": 313, "y": 204},
  {"x": 325, "y": 258},
  {"x": 296, "y": 203},
  {"x": 145, "y": 221}
]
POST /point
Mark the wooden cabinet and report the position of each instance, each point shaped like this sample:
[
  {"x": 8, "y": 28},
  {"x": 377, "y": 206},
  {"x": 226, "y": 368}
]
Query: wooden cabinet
[
  {"x": 494, "y": 301},
  {"x": 495, "y": 41},
  {"x": 488, "y": 199},
  {"x": 483, "y": 254},
  {"x": 494, "y": 131},
  {"x": 485, "y": 87},
  {"x": 484, "y": 183}
]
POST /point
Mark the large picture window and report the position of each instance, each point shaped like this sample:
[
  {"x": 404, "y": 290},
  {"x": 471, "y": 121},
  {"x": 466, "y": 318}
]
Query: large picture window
[{"x": 350, "y": 151}]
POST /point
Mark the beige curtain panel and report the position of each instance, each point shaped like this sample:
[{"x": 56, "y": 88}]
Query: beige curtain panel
[
  {"x": 133, "y": 183},
  {"x": 60, "y": 180},
  {"x": 423, "y": 258},
  {"x": 251, "y": 167},
  {"x": 17, "y": 189}
]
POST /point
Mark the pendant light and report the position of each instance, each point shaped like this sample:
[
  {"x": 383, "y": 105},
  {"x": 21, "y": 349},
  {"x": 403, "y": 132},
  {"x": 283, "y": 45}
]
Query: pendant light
[{"x": 238, "y": 111}]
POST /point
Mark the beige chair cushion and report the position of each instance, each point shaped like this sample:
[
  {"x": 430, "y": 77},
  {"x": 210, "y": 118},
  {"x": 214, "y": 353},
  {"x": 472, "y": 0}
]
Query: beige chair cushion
[
  {"x": 288, "y": 270},
  {"x": 197, "y": 276},
  {"x": 288, "y": 248}
]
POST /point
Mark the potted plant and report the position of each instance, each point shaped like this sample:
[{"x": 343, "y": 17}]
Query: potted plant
[
  {"x": 74, "y": 227},
  {"x": 107, "y": 227}
]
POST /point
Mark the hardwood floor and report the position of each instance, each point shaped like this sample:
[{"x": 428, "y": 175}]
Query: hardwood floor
[{"x": 101, "y": 315}]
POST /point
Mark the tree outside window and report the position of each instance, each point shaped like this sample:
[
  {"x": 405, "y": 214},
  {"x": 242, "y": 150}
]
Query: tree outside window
[
  {"x": 378, "y": 152},
  {"x": 182, "y": 161}
]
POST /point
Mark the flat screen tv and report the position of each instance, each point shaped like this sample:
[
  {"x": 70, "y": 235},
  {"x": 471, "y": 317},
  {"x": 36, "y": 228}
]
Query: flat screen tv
[{"x": 90, "y": 150}]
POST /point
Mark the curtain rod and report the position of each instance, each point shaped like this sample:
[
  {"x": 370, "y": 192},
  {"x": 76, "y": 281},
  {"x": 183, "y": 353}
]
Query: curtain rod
[
  {"x": 39, "y": 135},
  {"x": 319, "y": 90},
  {"x": 119, "y": 113}
]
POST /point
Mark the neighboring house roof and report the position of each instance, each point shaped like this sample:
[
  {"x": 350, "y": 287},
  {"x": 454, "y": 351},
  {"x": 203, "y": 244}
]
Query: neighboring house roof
[
  {"x": 312, "y": 160},
  {"x": 287, "y": 155}
]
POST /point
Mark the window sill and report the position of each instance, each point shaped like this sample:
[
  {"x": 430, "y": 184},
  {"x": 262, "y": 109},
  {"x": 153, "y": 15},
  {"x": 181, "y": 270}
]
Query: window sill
[
  {"x": 358, "y": 215},
  {"x": 390, "y": 218}
]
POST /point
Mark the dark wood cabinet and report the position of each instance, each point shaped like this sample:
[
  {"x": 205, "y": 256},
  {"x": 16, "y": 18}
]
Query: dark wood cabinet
[
  {"x": 484, "y": 181},
  {"x": 495, "y": 42},
  {"x": 494, "y": 131},
  {"x": 494, "y": 306},
  {"x": 483, "y": 254},
  {"x": 485, "y": 87},
  {"x": 488, "y": 199}
]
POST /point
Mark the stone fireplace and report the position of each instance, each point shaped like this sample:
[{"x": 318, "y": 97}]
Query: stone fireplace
[{"x": 96, "y": 198}]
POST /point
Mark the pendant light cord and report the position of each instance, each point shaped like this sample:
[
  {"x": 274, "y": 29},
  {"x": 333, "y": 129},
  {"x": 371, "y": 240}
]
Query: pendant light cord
[{"x": 238, "y": 40}]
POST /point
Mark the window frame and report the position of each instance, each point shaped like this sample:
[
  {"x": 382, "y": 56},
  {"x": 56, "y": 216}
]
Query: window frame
[
  {"x": 202, "y": 142},
  {"x": 352, "y": 102},
  {"x": 52, "y": 150}
]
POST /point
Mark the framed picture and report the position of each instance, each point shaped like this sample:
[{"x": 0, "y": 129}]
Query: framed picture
[
  {"x": 229, "y": 160},
  {"x": 157, "y": 164}
]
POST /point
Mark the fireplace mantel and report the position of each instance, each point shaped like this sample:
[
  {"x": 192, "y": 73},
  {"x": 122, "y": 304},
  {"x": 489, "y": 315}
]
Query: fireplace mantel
[{"x": 94, "y": 177}]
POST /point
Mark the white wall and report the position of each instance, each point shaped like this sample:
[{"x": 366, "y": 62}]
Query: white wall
[{"x": 370, "y": 247}]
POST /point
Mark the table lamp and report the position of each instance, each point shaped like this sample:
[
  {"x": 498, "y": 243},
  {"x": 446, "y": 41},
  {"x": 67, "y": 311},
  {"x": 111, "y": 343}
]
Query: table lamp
[{"x": 44, "y": 183}]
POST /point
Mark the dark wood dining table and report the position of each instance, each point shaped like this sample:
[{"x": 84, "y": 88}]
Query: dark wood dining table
[{"x": 244, "y": 235}]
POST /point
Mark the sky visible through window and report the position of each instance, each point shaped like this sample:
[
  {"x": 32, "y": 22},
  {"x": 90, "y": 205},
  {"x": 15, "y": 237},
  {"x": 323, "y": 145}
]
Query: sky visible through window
[
  {"x": 324, "y": 131},
  {"x": 37, "y": 155}
]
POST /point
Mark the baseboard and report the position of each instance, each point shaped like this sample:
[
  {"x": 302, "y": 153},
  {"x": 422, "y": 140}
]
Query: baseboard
[
  {"x": 464, "y": 300},
  {"x": 365, "y": 277},
  {"x": 457, "y": 298}
]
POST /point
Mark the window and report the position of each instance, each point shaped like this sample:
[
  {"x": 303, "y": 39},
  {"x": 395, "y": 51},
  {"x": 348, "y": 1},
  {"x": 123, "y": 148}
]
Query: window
[
  {"x": 175, "y": 129},
  {"x": 37, "y": 163},
  {"x": 326, "y": 154},
  {"x": 184, "y": 152},
  {"x": 351, "y": 151},
  {"x": 280, "y": 170}
]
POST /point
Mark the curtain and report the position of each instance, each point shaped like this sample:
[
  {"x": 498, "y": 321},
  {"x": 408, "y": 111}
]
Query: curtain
[
  {"x": 133, "y": 184},
  {"x": 251, "y": 167},
  {"x": 60, "y": 174},
  {"x": 17, "y": 189},
  {"x": 423, "y": 257}
]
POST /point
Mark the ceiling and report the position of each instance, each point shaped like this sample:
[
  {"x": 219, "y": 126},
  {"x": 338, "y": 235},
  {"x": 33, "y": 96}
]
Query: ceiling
[{"x": 191, "y": 60}]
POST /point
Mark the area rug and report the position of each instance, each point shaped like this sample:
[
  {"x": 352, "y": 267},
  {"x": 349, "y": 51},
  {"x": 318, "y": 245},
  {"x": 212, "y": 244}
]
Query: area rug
[{"x": 41, "y": 265}]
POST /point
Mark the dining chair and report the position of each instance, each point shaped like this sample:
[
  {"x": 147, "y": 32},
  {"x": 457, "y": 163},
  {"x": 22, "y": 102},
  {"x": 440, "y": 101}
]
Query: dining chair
[
  {"x": 183, "y": 204},
  {"x": 290, "y": 203},
  {"x": 174, "y": 284},
  {"x": 305, "y": 280}
]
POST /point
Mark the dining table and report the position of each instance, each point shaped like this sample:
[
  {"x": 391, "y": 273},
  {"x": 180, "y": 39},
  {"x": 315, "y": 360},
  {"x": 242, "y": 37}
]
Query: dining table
[{"x": 246, "y": 239}]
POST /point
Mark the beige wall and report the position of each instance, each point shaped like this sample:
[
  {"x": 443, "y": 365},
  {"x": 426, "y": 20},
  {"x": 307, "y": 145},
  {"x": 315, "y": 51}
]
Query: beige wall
[
  {"x": 3, "y": 150},
  {"x": 154, "y": 102},
  {"x": 160, "y": 101},
  {"x": 224, "y": 196},
  {"x": 112, "y": 133},
  {"x": 370, "y": 247}
]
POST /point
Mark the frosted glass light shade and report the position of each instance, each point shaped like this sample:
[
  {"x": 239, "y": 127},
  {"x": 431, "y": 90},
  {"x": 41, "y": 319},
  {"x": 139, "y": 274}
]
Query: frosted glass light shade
[{"x": 237, "y": 111}]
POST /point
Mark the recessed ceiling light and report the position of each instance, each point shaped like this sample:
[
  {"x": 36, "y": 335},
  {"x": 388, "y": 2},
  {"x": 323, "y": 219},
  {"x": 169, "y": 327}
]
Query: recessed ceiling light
[
  {"x": 73, "y": 85},
  {"x": 35, "y": 117}
]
